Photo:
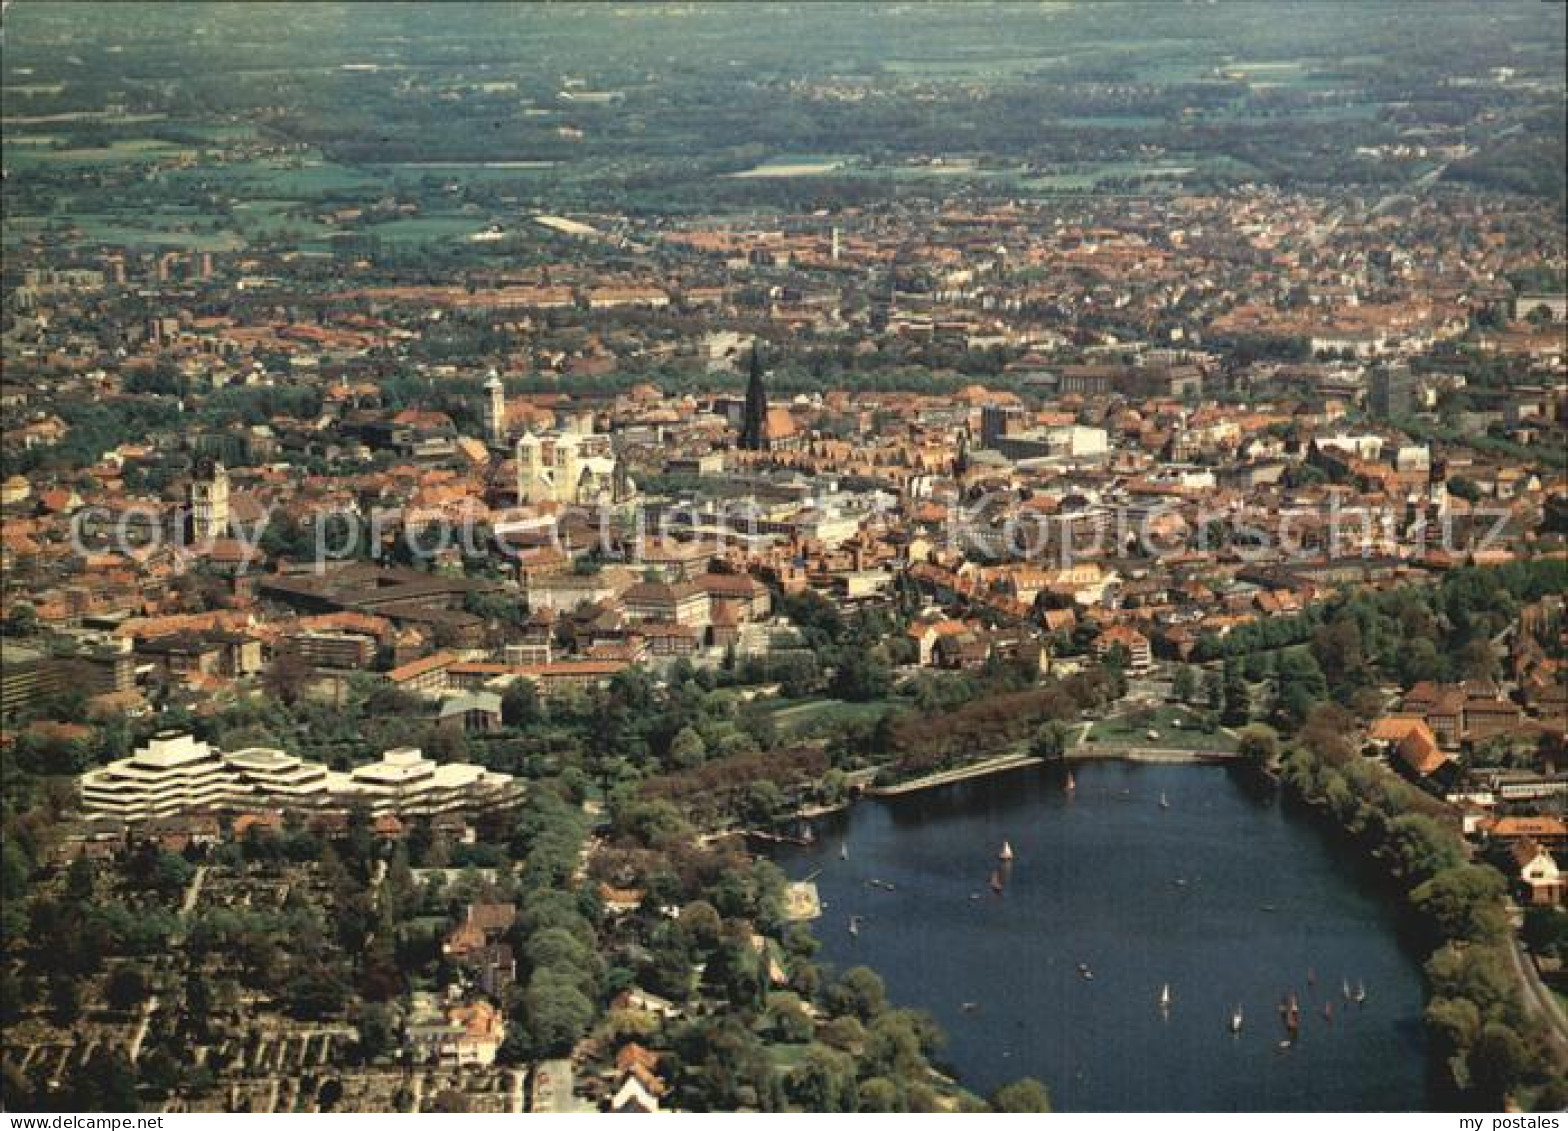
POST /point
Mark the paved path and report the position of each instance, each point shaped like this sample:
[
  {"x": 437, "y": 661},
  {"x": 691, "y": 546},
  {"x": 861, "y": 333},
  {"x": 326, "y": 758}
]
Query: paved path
[
  {"x": 148, "y": 1007},
  {"x": 983, "y": 768},
  {"x": 1133, "y": 753},
  {"x": 1538, "y": 1000},
  {"x": 193, "y": 892},
  {"x": 187, "y": 905}
]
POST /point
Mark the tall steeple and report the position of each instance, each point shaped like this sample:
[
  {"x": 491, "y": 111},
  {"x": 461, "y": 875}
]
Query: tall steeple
[
  {"x": 754, "y": 424},
  {"x": 495, "y": 408}
]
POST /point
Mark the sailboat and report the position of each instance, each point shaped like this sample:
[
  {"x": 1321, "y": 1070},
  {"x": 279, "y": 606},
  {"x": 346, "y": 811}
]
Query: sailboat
[
  {"x": 1069, "y": 785},
  {"x": 854, "y": 925},
  {"x": 1165, "y": 998},
  {"x": 1290, "y": 1013},
  {"x": 843, "y": 851},
  {"x": 1006, "y": 854},
  {"x": 1235, "y": 1020},
  {"x": 996, "y": 882},
  {"x": 1344, "y": 988},
  {"x": 1361, "y": 993},
  {"x": 1328, "y": 1012},
  {"x": 807, "y": 836},
  {"x": 1164, "y": 803}
]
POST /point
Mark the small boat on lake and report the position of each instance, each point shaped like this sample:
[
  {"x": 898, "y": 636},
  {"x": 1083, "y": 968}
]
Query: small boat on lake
[
  {"x": 1290, "y": 1014},
  {"x": 854, "y": 925},
  {"x": 1070, "y": 786},
  {"x": 1344, "y": 988},
  {"x": 996, "y": 882},
  {"x": 1006, "y": 854},
  {"x": 1164, "y": 802},
  {"x": 1084, "y": 972},
  {"x": 1165, "y": 998},
  {"x": 843, "y": 851},
  {"x": 1360, "y": 995},
  {"x": 1235, "y": 1020}
]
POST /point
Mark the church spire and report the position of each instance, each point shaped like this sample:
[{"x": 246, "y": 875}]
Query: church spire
[{"x": 754, "y": 424}]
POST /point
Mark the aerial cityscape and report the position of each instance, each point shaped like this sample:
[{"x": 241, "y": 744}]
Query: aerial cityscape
[{"x": 790, "y": 557}]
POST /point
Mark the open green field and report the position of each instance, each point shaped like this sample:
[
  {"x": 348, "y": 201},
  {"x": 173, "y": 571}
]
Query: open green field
[
  {"x": 796, "y": 718},
  {"x": 21, "y": 151},
  {"x": 797, "y": 165},
  {"x": 132, "y": 230},
  {"x": 424, "y": 229},
  {"x": 1177, "y": 728}
]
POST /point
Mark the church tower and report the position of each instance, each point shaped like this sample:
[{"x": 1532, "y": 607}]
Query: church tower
[
  {"x": 495, "y": 409},
  {"x": 529, "y": 481},
  {"x": 754, "y": 423},
  {"x": 209, "y": 500}
]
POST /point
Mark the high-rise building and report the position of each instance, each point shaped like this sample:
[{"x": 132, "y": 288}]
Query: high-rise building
[
  {"x": 1392, "y": 392},
  {"x": 754, "y": 421}
]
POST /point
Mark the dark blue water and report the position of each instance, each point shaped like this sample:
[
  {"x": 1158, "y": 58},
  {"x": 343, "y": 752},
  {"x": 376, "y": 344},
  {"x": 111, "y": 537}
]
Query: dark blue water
[{"x": 1265, "y": 906}]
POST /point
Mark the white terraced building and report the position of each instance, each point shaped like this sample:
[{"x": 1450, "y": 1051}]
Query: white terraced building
[
  {"x": 407, "y": 784},
  {"x": 276, "y": 776},
  {"x": 174, "y": 774}
]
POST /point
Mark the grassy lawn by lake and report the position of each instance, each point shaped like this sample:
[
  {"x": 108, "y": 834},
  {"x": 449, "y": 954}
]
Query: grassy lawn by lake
[{"x": 1178, "y": 729}]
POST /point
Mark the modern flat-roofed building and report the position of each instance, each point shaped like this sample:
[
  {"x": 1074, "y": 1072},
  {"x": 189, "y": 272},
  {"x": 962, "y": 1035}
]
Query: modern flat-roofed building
[
  {"x": 26, "y": 676},
  {"x": 263, "y": 774},
  {"x": 173, "y": 773},
  {"x": 407, "y": 784}
]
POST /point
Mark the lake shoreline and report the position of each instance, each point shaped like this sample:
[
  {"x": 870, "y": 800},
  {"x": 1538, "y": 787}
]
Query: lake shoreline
[{"x": 871, "y": 881}]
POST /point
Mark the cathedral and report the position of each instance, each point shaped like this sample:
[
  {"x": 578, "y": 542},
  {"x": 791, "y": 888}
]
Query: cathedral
[
  {"x": 571, "y": 467},
  {"x": 568, "y": 465}
]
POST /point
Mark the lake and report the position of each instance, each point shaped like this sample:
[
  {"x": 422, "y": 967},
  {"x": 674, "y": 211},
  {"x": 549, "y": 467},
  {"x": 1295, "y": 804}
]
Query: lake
[{"x": 1231, "y": 900}]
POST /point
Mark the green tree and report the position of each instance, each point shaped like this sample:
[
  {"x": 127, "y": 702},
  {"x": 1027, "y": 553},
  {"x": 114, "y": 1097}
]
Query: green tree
[
  {"x": 1050, "y": 741},
  {"x": 860, "y": 676},
  {"x": 520, "y": 703},
  {"x": 377, "y": 1032},
  {"x": 1258, "y": 744},
  {"x": 824, "y": 1081},
  {"x": 1464, "y": 902},
  {"x": 880, "y": 1094},
  {"x": 687, "y": 748},
  {"x": 556, "y": 1014},
  {"x": 1214, "y": 689},
  {"x": 1237, "y": 700},
  {"x": 1022, "y": 1096},
  {"x": 859, "y": 992},
  {"x": 65, "y": 1004},
  {"x": 126, "y": 987},
  {"x": 1499, "y": 1063}
]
